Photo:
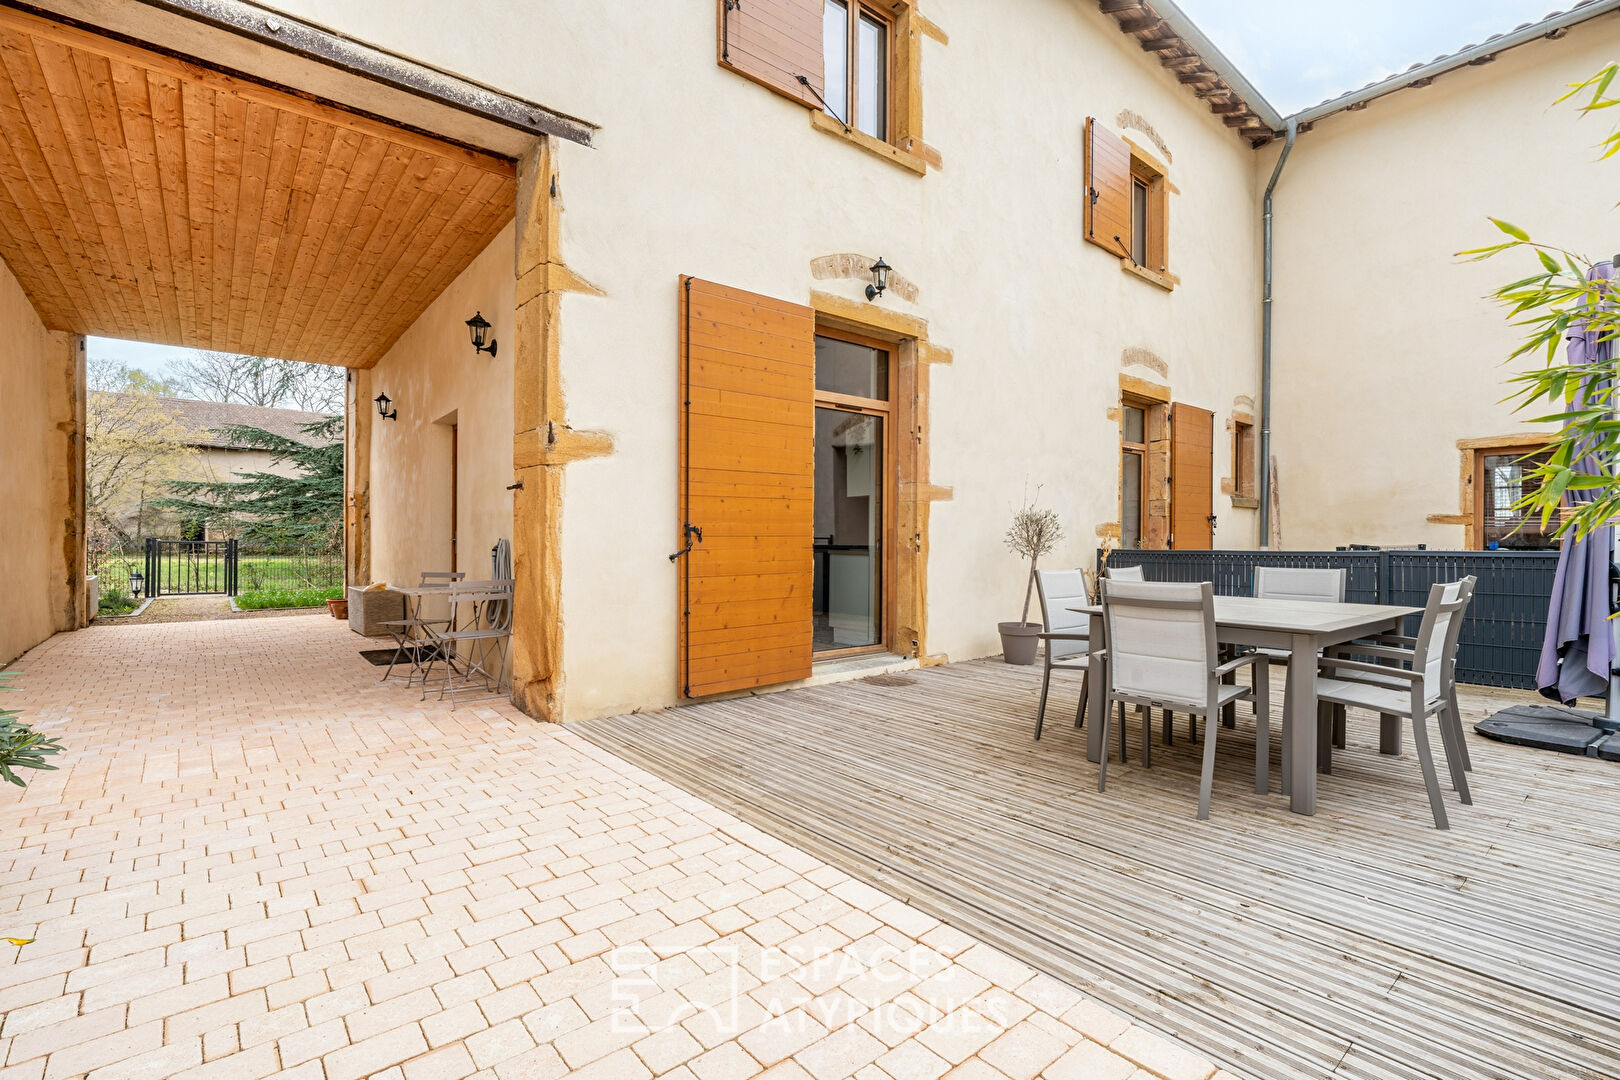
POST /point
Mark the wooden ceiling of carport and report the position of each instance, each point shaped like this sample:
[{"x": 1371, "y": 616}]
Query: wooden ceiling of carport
[{"x": 145, "y": 197}]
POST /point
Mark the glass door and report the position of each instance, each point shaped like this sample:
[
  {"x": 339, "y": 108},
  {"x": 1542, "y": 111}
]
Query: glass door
[{"x": 852, "y": 495}]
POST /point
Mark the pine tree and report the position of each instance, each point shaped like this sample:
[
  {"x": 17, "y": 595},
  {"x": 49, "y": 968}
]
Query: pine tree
[{"x": 304, "y": 509}]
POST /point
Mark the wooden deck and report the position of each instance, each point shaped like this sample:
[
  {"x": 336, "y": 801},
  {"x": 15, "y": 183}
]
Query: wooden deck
[{"x": 1357, "y": 943}]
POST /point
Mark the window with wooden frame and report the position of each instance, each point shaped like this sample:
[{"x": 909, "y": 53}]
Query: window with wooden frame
[
  {"x": 1133, "y": 472},
  {"x": 855, "y": 494},
  {"x": 1127, "y": 204},
  {"x": 1502, "y": 476},
  {"x": 857, "y": 59},
  {"x": 854, "y": 62},
  {"x": 1241, "y": 485}
]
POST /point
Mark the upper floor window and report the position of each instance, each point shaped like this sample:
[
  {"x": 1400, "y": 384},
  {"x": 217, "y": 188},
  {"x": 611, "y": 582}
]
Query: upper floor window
[
  {"x": 1127, "y": 204},
  {"x": 856, "y": 59},
  {"x": 855, "y": 63}
]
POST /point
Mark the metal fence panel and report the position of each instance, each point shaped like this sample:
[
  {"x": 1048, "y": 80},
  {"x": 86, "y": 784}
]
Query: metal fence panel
[{"x": 1501, "y": 638}]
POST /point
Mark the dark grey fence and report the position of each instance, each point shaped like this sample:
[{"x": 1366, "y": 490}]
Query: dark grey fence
[{"x": 1501, "y": 638}]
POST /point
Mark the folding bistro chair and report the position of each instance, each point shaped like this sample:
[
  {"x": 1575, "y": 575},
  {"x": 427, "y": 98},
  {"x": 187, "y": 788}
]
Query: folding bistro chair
[
  {"x": 410, "y": 633},
  {"x": 480, "y": 629}
]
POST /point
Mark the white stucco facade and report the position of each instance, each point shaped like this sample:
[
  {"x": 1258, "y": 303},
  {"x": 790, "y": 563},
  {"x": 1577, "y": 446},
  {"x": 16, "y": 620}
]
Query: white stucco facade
[{"x": 1388, "y": 350}]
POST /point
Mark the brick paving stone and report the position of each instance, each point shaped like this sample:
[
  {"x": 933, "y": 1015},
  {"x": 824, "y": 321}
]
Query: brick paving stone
[{"x": 296, "y": 870}]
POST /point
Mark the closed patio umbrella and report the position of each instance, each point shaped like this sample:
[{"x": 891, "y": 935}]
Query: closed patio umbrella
[{"x": 1578, "y": 649}]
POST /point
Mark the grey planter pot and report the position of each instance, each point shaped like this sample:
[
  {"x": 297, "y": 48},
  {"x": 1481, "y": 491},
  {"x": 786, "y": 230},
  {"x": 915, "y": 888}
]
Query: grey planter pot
[{"x": 1019, "y": 641}]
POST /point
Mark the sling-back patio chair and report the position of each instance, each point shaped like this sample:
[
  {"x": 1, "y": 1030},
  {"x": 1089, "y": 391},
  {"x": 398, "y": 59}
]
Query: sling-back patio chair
[
  {"x": 1162, "y": 652},
  {"x": 1412, "y": 693},
  {"x": 1065, "y": 632},
  {"x": 1452, "y": 716},
  {"x": 474, "y": 645},
  {"x": 1126, "y": 573},
  {"x": 1322, "y": 585},
  {"x": 411, "y": 634}
]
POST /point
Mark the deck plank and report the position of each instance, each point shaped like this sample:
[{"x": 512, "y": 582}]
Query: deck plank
[{"x": 1360, "y": 942}]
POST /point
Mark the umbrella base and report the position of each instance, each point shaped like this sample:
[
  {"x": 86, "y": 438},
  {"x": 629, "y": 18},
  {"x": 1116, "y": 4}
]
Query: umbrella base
[{"x": 1554, "y": 727}]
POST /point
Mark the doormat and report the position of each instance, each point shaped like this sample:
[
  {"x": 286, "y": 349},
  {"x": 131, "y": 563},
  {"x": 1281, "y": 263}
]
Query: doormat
[
  {"x": 1553, "y": 727},
  {"x": 421, "y": 654}
]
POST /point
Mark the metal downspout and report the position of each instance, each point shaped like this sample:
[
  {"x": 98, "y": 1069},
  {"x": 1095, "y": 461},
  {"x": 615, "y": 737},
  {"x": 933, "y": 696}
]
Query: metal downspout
[{"x": 1265, "y": 347}]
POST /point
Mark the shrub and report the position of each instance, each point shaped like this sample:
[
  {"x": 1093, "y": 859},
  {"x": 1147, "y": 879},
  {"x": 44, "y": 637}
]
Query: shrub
[
  {"x": 21, "y": 747},
  {"x": 116, "y": 602}
]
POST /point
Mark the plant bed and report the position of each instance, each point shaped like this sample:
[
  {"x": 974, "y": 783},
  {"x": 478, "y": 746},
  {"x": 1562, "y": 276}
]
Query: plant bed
[
  {"x": 117, "y": 613},
  {"x": 278, "y": 599}
]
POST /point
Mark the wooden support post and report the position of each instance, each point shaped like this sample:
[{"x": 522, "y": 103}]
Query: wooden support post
[{"x": 543, "y": 443}]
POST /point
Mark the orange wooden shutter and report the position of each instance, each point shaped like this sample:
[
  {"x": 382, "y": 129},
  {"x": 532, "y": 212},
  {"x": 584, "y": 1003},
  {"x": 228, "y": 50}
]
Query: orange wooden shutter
[
  {"x": 1108, "y": 189},
  {"x": 1192, "y": 456},
  {"x": 747, "y": 481},
  {"x": 773, "y": 42}
]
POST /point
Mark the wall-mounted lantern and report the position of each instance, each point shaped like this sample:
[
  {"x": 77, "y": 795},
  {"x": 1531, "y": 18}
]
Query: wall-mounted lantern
[
  {"x": 880, "y": 279},
  {"x": 478, "y": 326},
  {"x": 383, "y": 401},
  {"x": 136, "y": 581}
]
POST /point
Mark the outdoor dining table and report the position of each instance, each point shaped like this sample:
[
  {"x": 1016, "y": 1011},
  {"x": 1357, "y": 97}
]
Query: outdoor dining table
[{"x": 1302, "y": 628}]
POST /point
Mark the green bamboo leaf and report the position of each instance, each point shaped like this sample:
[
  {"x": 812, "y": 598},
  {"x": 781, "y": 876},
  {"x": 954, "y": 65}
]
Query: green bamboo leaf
[{"x": 1512, "y": 230}]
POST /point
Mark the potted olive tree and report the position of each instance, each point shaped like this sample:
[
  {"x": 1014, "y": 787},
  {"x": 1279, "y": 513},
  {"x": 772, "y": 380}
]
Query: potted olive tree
[{"x": 1033, "y": 533}]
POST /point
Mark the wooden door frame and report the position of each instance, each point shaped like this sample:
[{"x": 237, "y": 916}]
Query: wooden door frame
[{"x": 887, "y": 531}]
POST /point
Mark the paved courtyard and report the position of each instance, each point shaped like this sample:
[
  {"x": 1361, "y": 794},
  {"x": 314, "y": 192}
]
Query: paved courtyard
[{"x": 257, "y": 861}]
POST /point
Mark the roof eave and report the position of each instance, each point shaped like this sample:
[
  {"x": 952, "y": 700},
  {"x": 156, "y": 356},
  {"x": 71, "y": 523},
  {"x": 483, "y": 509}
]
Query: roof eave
[{"x": 1188, "y": 31}]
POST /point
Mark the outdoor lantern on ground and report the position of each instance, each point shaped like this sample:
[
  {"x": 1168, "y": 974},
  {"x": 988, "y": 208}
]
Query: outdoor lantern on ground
[
  {"x": 880, "y": 279},
  {"x": 479, "y": 327},
  {"x": 383, "y": 401},
  {"x": 136, "y": 581}
]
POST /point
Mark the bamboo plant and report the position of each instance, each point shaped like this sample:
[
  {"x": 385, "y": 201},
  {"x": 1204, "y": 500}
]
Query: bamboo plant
[{"x": 1545, "y": 305}]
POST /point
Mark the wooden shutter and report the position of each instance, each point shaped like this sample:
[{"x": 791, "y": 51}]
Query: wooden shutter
[
  {"x": 1192, "y": 457},
  {"x": 773, "y": 42},
  {"x": 1108, "y": 189},
  {"x": 747, "y": 481}
]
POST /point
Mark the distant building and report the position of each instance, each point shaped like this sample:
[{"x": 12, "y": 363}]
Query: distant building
[{"x": 219, "y": 457}]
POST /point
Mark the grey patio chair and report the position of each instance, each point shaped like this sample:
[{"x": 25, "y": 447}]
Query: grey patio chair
[
  {"x": 412, "y": 633},
  {"x": 1296, "y": 583},
  {"x": 1452, "y": 717},
  {"x": 1126, "y": 573},
  {"x": 1422, "y": 692},
  {"x": 1162, "y": 652},
  {"x": 1064, "y": 631},
  {"x": 480, "y": 629}
]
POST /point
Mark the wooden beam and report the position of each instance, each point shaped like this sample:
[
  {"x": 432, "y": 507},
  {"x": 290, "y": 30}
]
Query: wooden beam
[
  {"x": 1193, "y": 77},
  {"x": 1137, "y": 24},
  {"x": 1118, "y": 7},
  {"x": 1162, "y": 44}
]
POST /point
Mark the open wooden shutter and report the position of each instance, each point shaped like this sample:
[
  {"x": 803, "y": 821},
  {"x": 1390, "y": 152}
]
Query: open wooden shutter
[
  {"x": 773, "y": 42},
  {"x": 1192, "y": 463},
  {"x": 747, "y": 481},
  {"x": 1108, "y": 189}
]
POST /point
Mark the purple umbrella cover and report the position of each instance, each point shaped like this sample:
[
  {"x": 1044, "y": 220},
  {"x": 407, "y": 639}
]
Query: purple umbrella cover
[{"x": 1578, "y": 651}]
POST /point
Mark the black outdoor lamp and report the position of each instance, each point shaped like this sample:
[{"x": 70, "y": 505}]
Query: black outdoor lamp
[
  {"x": 136, "y": 581},
  {"x": 880, "y": 279},
  {"x": 383, "y": 401},
  {"x": 479, "y": 327}
]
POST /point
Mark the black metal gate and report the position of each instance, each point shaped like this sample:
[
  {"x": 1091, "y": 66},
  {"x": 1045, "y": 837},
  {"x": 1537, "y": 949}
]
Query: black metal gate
[{"x": 190, "y": 567}]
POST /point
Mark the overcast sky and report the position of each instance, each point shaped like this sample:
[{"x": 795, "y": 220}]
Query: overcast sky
[{"x": 1300, "y": 52}]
